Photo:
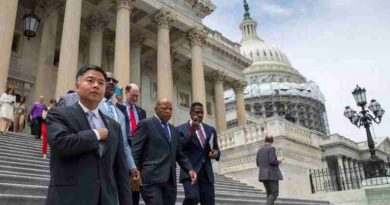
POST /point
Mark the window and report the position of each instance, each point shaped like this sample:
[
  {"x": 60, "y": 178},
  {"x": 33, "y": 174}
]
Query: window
[
  {"x": 209, "y": 108},
  {"x": 15, "y": 42},
  {"x": 56, "y": 59},
  {"x": 153, "y": 90},
  {"x": 248, "y": 107},
  {"x": 183, "y": 99}
]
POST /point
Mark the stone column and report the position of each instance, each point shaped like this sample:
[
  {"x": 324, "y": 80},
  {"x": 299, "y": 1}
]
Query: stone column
[
  {"x": 95, "y": 24},
  {"x": 164, "y": 19},
  {"x": 347, "y": 173},
  {"x": 361, "y": 168},
  {"x": 220, "y": 110},
  {"x": 341, "y": 172},
  {"x": 238, "y": 88},
  {"x": 7, "y": 27},
  {"x": 137, "y": 39},
  {"x": 197, "y": 37},
  {"x": 47, "y": 49},
  {"x": 69, "y": 47},
  {"x": 352, "y": 173},
  {"x": 122, "y": 42}
]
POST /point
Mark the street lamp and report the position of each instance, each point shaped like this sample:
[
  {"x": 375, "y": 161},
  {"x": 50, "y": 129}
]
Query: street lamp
[
  {"x": 374, "y": 167},
  {"x": 30, "y": 22}
]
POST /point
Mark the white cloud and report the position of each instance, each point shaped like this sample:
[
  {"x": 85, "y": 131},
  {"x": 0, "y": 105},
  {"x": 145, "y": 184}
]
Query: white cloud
[{"x": 275, "y": 10}]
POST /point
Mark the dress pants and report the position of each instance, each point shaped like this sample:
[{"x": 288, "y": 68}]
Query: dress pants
[
  {"x": 202, "y": 191},
  {"x": 272, "y": 190},
  {"x": 159, "y": 194}
]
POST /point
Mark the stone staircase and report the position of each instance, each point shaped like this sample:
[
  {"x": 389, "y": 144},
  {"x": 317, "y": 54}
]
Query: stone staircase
[{"x": 24, "y": 176}]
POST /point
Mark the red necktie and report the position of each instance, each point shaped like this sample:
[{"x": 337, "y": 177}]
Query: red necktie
[
  {"x": 133, "y": 121},
  {"x": 201, "y": 137}
]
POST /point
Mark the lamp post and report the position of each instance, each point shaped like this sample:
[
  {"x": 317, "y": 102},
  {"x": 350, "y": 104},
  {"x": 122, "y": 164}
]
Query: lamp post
[{"x": 374, "y": 167}]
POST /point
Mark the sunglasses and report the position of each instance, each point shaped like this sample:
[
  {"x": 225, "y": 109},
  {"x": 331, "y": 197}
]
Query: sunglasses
[{"x": 109, "y": 80}]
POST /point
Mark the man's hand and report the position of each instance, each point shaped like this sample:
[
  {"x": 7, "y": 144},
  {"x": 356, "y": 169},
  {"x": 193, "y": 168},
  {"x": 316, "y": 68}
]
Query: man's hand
[
  {"x": 194, "y": 125},
  {"x": 193, "y": 176},
  {"x": 135, "y": 179},
  {"x": 213, "y": 154},
  {"x": 103, "y": 132},
  {"x": 281, "y": 160},
  {"x": 119, "y": 98}
]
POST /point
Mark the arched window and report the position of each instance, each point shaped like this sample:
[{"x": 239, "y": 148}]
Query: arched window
[
  {"x": 251, "y": 54},
  {"x": 258, "y": 53},
  {"x": 265, "y": 53}
]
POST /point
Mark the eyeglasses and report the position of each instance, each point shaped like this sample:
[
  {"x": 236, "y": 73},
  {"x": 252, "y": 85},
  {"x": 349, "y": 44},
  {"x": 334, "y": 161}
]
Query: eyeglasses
[{"x": 109, "y": 80}]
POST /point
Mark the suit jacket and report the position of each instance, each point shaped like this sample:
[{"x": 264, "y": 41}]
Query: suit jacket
[
  {"x": 154, "y": 155},
  {"x": 122, "y": 122},
  {"x": 78, "y": 176},
  {"x": 141, "y": 115},
  {"x": 268, "y": 163},
  {"x": 68, "y": 99},
  {"x": 194, "y": 151}
]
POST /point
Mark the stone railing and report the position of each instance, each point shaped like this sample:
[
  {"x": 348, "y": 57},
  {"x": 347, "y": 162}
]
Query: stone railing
[
  {"x": 275, "y": 126},
  {"x": 333, "y": 139},
  {"x": 216, "y": 36}
]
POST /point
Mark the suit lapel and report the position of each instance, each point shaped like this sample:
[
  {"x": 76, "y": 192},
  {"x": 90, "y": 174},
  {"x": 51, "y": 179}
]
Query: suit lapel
[{"x": 82, "y": 119}]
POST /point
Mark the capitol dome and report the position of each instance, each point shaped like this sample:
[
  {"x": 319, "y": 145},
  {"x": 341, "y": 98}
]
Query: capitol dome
[{"x": 275, "y": 87}]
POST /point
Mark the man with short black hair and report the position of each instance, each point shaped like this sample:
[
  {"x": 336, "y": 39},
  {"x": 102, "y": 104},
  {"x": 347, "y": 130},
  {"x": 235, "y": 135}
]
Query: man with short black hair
[
  {"x": 269, "y": 172},
  {"x": 87, "y": 163},
  {"x": 200, "y": 145}
]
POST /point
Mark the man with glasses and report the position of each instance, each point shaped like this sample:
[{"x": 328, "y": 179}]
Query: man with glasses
[{"x": 108, "y": 108}]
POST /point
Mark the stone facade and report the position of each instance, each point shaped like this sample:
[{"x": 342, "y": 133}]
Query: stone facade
[{"x": 160, "y": 45}]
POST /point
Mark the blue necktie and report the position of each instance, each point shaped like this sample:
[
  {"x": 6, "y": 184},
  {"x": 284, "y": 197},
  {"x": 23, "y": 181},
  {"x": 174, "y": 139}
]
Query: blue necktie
[
  {"x": 166, "y": 131},
  {"x": 110, "y": 109}
]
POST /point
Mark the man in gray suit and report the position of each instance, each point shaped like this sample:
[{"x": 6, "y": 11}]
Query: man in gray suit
[
  {"x": 269, "y": 172},
  {"x": 87, "y": 163},
  {"x": 68, "y": 99},
  {"x": 156, "y": 150}
]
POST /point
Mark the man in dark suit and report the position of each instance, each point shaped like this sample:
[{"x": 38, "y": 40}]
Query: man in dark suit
[
  {"x": 87, "y": 163},
  {"x": 156, "y": 150},
  {"x": 200, "y": 144},
  {"x": 133, "y": 114},
  {"x": 269, "y": 172}
]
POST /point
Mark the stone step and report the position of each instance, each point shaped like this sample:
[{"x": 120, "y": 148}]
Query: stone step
[
  {"x": 30, "y": 150},
  {"x": 32, "y": 144},
  {"x": 25, "y": 189},
  {"x": 11, "y": 199},
  {"x": 14, "y": 155},
  {"x": 18, "y": 179},
  {"x": 37, "y": 161},
  {"x": 11, "y": 143}
]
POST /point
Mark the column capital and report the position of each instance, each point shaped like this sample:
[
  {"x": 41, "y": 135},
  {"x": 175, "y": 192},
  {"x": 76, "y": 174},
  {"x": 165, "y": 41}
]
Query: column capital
[
  {"x": 197, "y": 36},
  {"x": 164, "y": 18},
  {"x": 218, "y": 76},
  {"x": 48, "y": 6},
  {"x": 97, "y": 21},
  {"x": 137, "y": 37},
  {"x": 239, "y": 86},
  {"x": 124, "y": 4}
]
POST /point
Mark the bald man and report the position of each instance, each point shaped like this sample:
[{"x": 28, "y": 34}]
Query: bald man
[{"x": 156, "y": 150}]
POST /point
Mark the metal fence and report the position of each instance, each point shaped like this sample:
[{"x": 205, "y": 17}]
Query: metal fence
[{"x": 345, "y": 179}]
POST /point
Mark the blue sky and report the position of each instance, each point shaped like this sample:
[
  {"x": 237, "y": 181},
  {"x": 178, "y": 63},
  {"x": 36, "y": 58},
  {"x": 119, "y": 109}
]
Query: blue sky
[{"x": 336, "y": 43}]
